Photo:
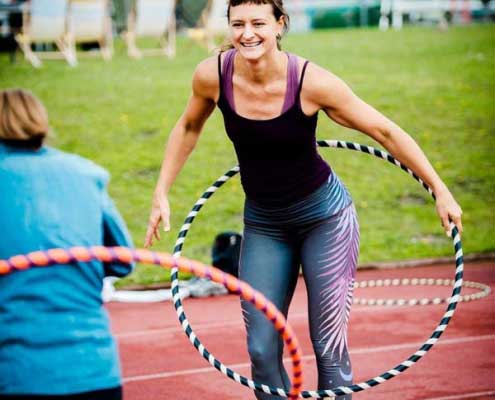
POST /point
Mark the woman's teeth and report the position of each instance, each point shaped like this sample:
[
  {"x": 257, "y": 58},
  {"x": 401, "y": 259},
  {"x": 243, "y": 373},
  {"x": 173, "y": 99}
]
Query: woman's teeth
[{"x": 251, "y": 44}]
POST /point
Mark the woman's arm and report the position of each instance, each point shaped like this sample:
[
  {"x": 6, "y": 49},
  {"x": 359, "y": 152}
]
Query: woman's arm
[
  {"x": 181, "y": 142},
  {"x": 325, "y": 91}
]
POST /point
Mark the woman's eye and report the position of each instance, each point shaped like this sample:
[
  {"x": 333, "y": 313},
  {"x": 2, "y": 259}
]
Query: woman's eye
[{"x": 259, "y": 24}]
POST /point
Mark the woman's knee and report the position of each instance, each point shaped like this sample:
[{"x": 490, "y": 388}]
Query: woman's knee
[{"x": 263, "y": 354}]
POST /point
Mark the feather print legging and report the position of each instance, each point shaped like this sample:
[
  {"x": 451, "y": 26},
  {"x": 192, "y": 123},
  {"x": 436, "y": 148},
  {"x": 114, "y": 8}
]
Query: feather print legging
[{"x": 321, "y": 234}]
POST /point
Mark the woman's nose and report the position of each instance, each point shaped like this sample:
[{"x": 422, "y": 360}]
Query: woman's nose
[{"x": 248, "y": 32}]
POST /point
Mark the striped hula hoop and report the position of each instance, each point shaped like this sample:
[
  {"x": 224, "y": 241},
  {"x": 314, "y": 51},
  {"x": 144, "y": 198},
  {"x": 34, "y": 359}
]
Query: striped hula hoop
[
  {"x": 341, "y": 390},
  {"x": 126, "y": 255},
  {"x": 484, "y": 290}
]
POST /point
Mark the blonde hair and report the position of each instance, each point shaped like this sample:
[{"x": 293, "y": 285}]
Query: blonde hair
[{"x": 23, "y": 118}]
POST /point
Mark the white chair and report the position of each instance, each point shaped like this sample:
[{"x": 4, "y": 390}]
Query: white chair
[
  {"x": 300, "y": 20},
  {"x": 44, "y": 21},
  {"x": 89, "y": 21},
  {"x": 213, "y": 23},
  {"x": 155, "y": 19},
  {"x": 429, "y": 9}
]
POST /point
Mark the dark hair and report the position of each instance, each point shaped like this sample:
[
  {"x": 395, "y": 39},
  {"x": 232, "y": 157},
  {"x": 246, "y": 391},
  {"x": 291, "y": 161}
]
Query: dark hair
[{"x": 278, "y": 12}]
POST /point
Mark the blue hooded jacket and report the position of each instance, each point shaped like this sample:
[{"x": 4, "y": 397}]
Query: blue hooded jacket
[{"x": 54, "y": 331}]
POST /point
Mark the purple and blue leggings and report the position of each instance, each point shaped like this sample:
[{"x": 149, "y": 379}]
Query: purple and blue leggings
[{"x": 321, "y": 234}]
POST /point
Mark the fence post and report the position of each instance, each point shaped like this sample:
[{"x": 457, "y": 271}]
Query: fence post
[{"x": 363, "y": 13}]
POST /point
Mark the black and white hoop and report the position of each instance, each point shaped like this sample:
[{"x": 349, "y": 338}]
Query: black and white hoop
[{"x": 341, "y": 390}]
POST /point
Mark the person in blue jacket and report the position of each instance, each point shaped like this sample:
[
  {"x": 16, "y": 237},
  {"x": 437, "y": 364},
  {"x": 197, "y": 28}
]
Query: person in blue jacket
[{"x": 55, "y": 339}]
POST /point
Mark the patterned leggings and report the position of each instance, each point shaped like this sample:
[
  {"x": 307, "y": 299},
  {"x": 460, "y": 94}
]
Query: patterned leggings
[{"x": 270, "y": 258}]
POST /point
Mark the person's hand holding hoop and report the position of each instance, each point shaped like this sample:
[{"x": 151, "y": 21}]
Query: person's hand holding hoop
[{"x": 448, "y": 210}]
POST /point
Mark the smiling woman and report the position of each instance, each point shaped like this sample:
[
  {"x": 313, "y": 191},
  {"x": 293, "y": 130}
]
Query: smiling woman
[
  {"x": 259, "y": 24},
  {"x": 297, "y": 211}
]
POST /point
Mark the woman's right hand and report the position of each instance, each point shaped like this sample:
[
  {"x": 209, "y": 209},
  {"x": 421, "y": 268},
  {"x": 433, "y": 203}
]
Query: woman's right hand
[
  {"x": 182, "y": 141},
  {"x": 160, "y": 211}
]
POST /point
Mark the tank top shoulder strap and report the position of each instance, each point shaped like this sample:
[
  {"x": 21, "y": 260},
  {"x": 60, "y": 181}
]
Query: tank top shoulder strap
[
  {"x": 292, "y": 82},
  {"x": 220, "y": 80},
  {"x": 225, "y": 73},
  {"x": 302, "y": 78}
]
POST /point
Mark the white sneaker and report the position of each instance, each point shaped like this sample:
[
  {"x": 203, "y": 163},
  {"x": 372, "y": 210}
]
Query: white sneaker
[{"x": 109, "y": 293}]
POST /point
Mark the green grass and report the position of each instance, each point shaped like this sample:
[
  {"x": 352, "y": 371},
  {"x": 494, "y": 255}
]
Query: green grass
[{"x": 439, "y": 86}]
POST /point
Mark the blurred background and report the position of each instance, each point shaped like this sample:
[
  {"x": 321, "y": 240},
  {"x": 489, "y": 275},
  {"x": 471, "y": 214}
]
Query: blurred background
[{"x": 115, "y": 76}]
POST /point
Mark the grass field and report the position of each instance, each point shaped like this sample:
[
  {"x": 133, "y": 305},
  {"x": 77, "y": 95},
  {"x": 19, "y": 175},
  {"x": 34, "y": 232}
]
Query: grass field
[{"x": 439, "y": 86}]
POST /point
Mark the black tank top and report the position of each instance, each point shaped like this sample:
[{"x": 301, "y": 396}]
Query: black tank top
[{"x": 278, "y": 160}]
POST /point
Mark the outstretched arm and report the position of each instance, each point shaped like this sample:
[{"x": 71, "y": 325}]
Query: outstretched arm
[
  {"x": 325, "y": 91},
  {"x": 181, "y": 143}
]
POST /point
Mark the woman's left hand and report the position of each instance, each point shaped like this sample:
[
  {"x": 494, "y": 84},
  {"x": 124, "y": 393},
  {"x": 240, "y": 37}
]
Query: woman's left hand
[{"x": 448, "y": 210}]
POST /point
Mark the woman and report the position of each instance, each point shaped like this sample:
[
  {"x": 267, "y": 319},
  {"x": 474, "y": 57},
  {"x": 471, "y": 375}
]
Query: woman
[
  {"x": 55, "y": 340},
  {"x": 297, "y": 212}
]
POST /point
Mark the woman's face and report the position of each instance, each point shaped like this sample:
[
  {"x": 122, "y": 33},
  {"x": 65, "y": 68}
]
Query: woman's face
[{"x": 254, "y": 29}]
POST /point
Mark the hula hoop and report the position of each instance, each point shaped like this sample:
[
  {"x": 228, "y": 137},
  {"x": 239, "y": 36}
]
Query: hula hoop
[
  {"x": 341, "y": 390},
  {"x": 126, "y": 255},
  {"x": 484, "y": 290}
]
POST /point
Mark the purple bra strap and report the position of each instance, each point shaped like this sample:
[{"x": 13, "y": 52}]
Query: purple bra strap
[
  {"x": 292, "y": 90},
  {"x": 227, "y": 75},
  {"x": 292, "y": 82}
]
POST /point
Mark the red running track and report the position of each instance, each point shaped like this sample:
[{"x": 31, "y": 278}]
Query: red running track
[{"x": 159, "y": 363}]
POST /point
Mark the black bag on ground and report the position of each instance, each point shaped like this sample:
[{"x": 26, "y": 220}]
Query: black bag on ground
[{"x": 225, "y": 252}]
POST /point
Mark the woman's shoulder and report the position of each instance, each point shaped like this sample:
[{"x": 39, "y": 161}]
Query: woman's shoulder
[
  {"x": 206, "y": 81},
  {"x": 207, "y": 70},
  {"x": 317, "y": 79},
  {"x": 314, "y": 72},
  {"x": 300, "y": 60},
  {"x": 320, "y": 86}
]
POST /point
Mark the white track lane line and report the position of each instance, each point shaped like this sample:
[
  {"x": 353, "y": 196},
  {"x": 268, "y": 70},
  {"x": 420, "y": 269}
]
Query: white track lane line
[
  {"x": 226, "y": 324},
  {"x": 469, "y": 396},
  {"x": 197, "y": 327},
  {"x": 367, "y": 350}
]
